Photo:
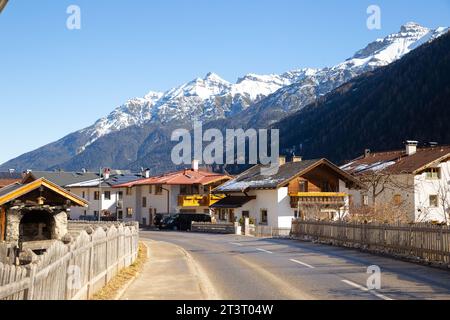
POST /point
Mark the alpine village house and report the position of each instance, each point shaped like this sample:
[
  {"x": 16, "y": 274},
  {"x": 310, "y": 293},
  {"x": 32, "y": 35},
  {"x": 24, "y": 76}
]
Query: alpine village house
[
  {"x": 307, "y": 189},
  {"x": 414, "y": 181}
]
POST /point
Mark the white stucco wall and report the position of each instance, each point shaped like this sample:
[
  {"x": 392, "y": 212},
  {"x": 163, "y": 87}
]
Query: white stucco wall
[{"x": 424, "y": 188}]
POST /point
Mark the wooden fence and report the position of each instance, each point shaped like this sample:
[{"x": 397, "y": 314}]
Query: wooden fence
[
  {"x": 430, "y": 243},
  {"x": 223, "y": 228},
  {"x": 270, "y": 232},
  {"x": 72, "y": 272}
]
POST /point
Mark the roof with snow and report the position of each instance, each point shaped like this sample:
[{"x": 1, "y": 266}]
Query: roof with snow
[
  {"x": 398, "y": 162},
  {"x": 183, "y": 177},
  {"x": 256, "y": 178},
  {"x": 81, "y": 179}
]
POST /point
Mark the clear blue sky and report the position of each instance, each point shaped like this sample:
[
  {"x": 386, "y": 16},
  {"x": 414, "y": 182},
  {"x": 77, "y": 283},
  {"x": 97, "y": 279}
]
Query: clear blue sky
[{"x": 54, "y": 81}]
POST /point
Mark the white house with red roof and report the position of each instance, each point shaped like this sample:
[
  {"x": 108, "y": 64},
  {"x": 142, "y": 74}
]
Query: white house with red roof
[{"x": 184, "y": 191}]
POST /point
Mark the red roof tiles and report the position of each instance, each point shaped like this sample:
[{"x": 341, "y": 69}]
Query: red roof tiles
[{"x": 183, "y": 177}]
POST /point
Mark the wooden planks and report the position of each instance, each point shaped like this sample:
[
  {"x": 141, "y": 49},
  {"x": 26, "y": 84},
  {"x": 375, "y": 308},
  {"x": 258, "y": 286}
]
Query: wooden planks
[
  {"x": 428, "y": 242},
  {"x": 74, "y": 271}
]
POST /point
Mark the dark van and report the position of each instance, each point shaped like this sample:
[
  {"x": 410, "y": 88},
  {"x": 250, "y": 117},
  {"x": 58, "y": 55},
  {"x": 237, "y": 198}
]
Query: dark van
[{"x": 183, "y": 221}]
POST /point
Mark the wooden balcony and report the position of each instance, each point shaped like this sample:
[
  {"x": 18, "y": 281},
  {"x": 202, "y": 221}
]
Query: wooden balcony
[
  {"x": 326, "y": 199},
  {"x": 198, "y": 200}
]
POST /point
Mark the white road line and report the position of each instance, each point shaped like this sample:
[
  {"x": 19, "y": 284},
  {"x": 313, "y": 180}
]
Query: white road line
[
  {"x": 263, "y": 250},
  {"x": 303, "y": 264},
  {"x": 237, "y": 244},
  {"x": 379, "y": 295}
]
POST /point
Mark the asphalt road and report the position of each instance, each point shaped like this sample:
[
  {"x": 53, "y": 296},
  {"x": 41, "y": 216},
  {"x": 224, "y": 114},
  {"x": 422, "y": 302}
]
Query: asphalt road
[{"x": 244, "y": 268}]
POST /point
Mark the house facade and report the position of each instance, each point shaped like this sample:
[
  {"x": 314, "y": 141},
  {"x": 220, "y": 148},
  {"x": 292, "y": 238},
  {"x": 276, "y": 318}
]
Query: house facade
[
  {"x": 307, "y": 189},
  {"x": 184, "y": 191},
  {"x": 414, "y": 180},
  {"x": 98, "y": 190}
]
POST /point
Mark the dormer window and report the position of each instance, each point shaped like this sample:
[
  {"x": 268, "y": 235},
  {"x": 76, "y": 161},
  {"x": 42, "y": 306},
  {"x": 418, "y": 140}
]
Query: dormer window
[{"x": 433, "y": 173}]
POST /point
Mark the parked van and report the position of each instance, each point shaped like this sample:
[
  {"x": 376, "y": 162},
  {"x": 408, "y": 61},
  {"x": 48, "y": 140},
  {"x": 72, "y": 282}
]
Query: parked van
[{"x": 183, "y": 221}]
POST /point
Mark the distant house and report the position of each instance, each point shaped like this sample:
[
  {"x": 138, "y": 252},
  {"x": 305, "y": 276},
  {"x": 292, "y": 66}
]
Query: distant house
[
  {"x": 310, "y": 189},
  {"x": 184, "y": 191},
  {"x": 10, "y": 177},
  {"x": 98, "y": 190},
  {"x": 415, "y": 179}
]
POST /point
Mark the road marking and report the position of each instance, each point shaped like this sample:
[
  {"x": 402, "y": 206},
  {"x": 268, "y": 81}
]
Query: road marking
[
  {"x": 303, "y": 264},
  {"x": 237, "y": 244},
  {"x": 379, "y": 295},
  {"x": 263, "y": 250}
]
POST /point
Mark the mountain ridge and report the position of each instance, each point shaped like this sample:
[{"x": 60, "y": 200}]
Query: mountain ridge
[{"x": 252, "y": 101}]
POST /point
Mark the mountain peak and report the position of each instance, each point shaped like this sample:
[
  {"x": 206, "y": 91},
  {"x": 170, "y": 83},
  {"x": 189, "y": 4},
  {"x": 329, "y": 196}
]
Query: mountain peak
[
  {"x": 211, "y": 76},
  {"x": 412, "y": 26}
]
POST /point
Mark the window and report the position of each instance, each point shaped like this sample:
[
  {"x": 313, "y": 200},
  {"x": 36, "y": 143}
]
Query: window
[
  {"x": 96, "y": 195},
  {"x": 433, "y": 173},
  {"x": 246, "y": 214},
  {"x": 264, "y": 216},
  {"x": 397, "y": 199},
  {"x": 223, "y": 214},
  {"x": 365, "y": 200},
  {"x": 150, "y": 189},
  {"x": 120, "y": 214},
  {"x": 295, "y": 214},
  {"x": 144, "y": 202},
  {"x": 96, "y": 213},
  {"x": 107, "y": 195},
  {"x": 129, "y": 212},
  {"x": 120, "y": 195},
  {"x": 189, "y": 189},
  {"x": 158, "y": 189},
  {"x": 83, "y": 194},
  {"x": 85, "y": 212},
  {"x": 434, "y": 201},
  {"x": 129, "y": 191},
  {"x": 303, "y": 186}
]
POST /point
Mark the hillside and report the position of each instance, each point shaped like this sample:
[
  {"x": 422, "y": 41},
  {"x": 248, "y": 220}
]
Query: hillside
[{"x": 409, "y": 99}]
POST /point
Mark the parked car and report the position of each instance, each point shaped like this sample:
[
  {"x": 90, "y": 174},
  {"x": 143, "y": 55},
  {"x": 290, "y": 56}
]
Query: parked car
[
  {"x": 88, "y": 218},
  {"x": 158, "y": 219},
  {"x": 183, "y": 221}
]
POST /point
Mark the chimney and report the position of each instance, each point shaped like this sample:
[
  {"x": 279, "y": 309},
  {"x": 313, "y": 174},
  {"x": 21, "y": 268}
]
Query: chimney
[
  {"x": 282, "y": 160},
  {"x": 195, "y": 164},
  {"x": 297, "y": 159},
  {"x": 146, "y": 173},
  {"x": 411, "y": 147},
  {"x": 106, "y": 173},
  {"x": 367, "y": 153}
]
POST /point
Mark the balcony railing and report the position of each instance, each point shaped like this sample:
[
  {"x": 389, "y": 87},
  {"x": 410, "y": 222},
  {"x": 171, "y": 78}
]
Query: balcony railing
[
  {"x": 318, "y": 198},
  {"x": 198, "y": 200}
]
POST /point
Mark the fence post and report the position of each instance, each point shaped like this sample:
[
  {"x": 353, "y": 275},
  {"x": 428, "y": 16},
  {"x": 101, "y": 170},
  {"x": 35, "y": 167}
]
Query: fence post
[
  {"x": 29, "y": 295},
  {"x": 91, "y": 269}
]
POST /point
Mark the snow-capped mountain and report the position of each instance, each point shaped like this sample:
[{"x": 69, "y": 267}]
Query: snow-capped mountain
[
  {"x": 253, "y": 100},
  {"x": 207, "y": 98},
  {"x": 320, "y": 82}
]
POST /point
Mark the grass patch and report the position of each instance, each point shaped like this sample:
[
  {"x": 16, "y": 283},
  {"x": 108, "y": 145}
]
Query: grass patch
[{"x": 112, "y": 288}]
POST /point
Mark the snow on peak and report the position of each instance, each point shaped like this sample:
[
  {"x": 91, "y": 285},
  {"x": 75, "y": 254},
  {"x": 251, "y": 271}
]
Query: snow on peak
[{"x": 212, "y": 97}]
